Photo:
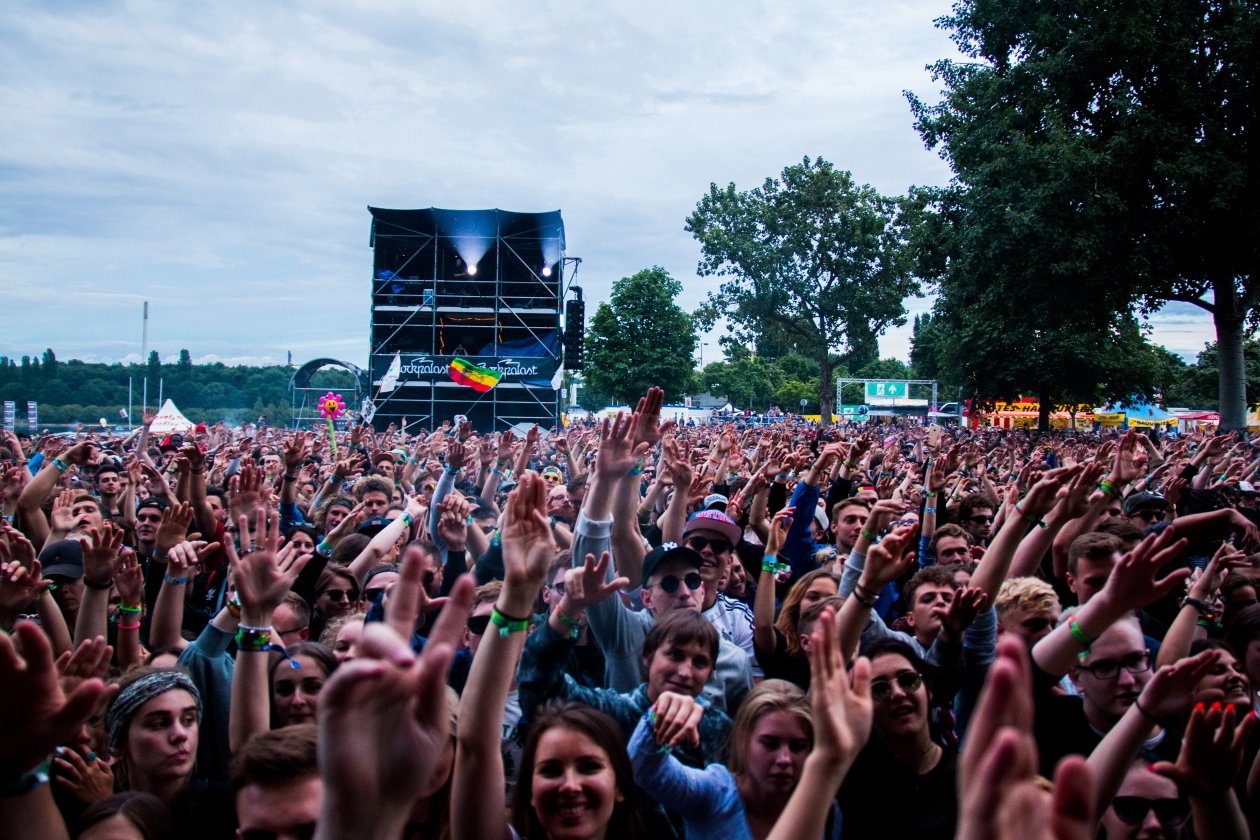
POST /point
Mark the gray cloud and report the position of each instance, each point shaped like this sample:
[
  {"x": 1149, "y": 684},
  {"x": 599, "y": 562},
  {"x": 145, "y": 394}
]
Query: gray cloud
[{"x": 217, "y": 160}]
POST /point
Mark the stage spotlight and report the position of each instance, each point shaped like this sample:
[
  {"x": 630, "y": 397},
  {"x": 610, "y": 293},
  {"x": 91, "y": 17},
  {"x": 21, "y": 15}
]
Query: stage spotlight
[
  {"x": 546, "y": 272},
  {"x": 472, "y": 270}
]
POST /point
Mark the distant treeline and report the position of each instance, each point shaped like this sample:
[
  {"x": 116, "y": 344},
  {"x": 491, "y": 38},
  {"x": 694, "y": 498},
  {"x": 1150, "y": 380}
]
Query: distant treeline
[{"x": 74, "y": 391}]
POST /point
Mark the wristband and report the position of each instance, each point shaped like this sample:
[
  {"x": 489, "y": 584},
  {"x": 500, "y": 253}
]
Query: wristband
[
  {"x": 256, "y": 639},
  {"x": 449, "y": 470},
  {"x": 506, "y": 623},
  {"x": 770, "y": 563},
  {"x": 24, "y": 783},
  {"x": 1036, "y": 520},
  {"x": 1108, "y": 488},
  {"x": 1137, "y": 703},
  {"x": 574, "y": 625},
  {"x": 60, "y": 464},
  {"x": 1079, "y": 635},
  {"x": 135, "y": 626},
  {"x": 929, "y": 510},
  {"x": 929, "y": 494},
  {"x": 408, "y": 518},
  {"x": 324, "y": 547},
  {"x": 126, "y": 610},
  {"x": 869, "y": 535},
  {"x": 174, "y": 581},
  {"x": 637, "y": 468},
  {"x": 288, "y": 478},
  {"x": 233, "y": 606},
  {"x": 158, "y": 553},
  {"x": 91, "y": 584}
]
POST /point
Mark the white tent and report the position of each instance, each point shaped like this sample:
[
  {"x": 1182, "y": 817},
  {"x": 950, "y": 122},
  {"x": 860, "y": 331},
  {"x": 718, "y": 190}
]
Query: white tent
[{"x": 170, "y": 421}]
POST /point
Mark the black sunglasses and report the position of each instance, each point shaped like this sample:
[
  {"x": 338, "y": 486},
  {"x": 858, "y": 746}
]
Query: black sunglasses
[
  {"x": 338, "y": 594},
  {"x": 370, "y": 595},
  {"x": 907, "y": 681},
  {"x": 719, "y": 546},
  {"x": 981, "y": 519},
  {"x": 670, "y": 583},
  {"x": 477, "y": 624},
  {"x": 1133, "y": 809},
  {"x": 1149, "y": 515}
]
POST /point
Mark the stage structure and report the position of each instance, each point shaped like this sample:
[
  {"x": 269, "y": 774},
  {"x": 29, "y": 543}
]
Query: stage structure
[{"x": 484, "y": 286}]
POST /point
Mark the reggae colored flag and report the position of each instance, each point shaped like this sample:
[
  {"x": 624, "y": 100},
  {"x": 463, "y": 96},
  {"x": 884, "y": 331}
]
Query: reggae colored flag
[{"x": 478, "y": 378}]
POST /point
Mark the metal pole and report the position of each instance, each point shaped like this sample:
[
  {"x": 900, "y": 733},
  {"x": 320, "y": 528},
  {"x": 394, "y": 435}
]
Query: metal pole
[
  {"x": 129, "y": 406},
  {"x": 144, "y": 356},
  {"x": 159, "y": 402}
]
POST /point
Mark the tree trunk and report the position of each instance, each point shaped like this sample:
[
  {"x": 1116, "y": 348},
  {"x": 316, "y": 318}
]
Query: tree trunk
[
  {"x": 826, "y": 389},
  {"x": 1231, "y": 378},
  {"x": 1043, "y": 412}
]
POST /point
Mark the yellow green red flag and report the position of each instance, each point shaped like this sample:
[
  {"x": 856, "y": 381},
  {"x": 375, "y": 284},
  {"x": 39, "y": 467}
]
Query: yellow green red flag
[{"x": 478, "y": 378}]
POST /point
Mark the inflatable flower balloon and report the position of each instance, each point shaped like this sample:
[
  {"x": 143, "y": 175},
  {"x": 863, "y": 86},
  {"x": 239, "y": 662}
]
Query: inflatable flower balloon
[{"x": 331, "y": 407}]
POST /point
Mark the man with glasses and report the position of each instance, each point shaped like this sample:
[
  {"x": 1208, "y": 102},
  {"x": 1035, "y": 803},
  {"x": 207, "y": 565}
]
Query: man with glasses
[
  {"x": 975, "y": 515},
  {"x": 672, "y": 580},
  {"x": 713, "y": 535},
  {"x": 1145, "y": 509}
]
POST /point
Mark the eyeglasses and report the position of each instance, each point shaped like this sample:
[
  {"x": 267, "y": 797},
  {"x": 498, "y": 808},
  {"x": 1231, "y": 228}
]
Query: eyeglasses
[
  {"x": 981, "y": 519},
  {"x": 339, "y": 594},
  {"x": 1133, "y": 809},
  {"x": 907, "y": 681},
  {"x": 552, "y": 477},
  {"x": 477, "y": 624},
  {"x": 1134, "y": 663},
  {"x": 1149, "y": 515},
  {"x": 558, "y": 586},
  {"x": 670, "y": 583},
  {"x": 719, "y": 546},
  {"x": 370, "y": 595}
]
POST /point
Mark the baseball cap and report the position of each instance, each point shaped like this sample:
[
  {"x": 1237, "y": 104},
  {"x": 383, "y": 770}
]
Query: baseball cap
[
  {"x": 1146, "y": 498},
  {"x": 372, "y": 527},
  {"x": 669, "y": 553},
  {"x": 716, "y": 522},
  {"x": 63, "y": 558},
  {"x": 712, "y": 500}
]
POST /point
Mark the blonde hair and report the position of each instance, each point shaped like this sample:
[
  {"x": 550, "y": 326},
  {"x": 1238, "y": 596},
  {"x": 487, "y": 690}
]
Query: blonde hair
[
  {"x": 1025, "y": 593},
  {"x": 790, "y": 612},
  {"x": 770, "y": 696}
]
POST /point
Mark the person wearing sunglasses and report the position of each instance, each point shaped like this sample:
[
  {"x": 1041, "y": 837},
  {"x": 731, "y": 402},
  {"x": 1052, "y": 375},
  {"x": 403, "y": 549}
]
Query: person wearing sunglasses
[
  {"x": 714, "y": 535},
  {"x": 975, "y": 515},
  {"x": 1147, "y": 806},
  {"x": 1145, "y": 509},
  {"x": 902, "y": 755},
  {"x": 336, "y": 594}
]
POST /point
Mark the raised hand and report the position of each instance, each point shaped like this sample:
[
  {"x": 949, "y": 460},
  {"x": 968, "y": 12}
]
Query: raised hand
[
  {"x": 101, "y": 548},
  {"x": 617, "y": 448},
  {"x": 890, "y": 558},
  {"x": 456, "y": 455},
  {"x": 90, "y": 660},
  {"x": 88, "y": 777},
  {"x": 648, "y": 427},
  {"x": 1211, "y": 752},
  {"x": 265, "y": 572},
  {"x": 62, "y": 520},
  {"x": 35, "y": 714},
  {"x": 245, "y": 491},
  {"x": 383, "y": 723},
  {"x": 19, "y": 587},
  {"x": 1170, "y": 690},
  {"x": 779, "y": 527},
  {"x": 842, "y": 706},
  {"x": 129, "y": 579},
  {"x": 173, "y": 528},
  {"x": 585, "y": 585},
  {"x": 1132, "y": 582},
  {"x": 967, "y": 604},
  {"x": 528, "y": 544},
  {"x": 452, "y": 525},
  {"x": 296, "y": 451},
  {"x": 676, "y": 719}
]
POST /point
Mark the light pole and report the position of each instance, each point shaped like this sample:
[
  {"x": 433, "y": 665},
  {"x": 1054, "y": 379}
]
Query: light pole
[{"x": 703, "y": 345}]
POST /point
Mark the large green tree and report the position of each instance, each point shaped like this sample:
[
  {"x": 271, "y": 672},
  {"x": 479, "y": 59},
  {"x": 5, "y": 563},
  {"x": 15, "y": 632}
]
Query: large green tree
[
  {"x": 1105, "y": 157},
  {"x": 641, "y": 338},
  {"x": 810, "y": 262}
]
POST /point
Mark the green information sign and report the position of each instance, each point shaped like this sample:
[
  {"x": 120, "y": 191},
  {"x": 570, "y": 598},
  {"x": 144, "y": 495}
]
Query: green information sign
[{"x": 886, "y": 390}]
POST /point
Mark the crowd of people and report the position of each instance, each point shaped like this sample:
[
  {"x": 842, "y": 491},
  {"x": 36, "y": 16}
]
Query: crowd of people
[{"x": 629, "y": 629}]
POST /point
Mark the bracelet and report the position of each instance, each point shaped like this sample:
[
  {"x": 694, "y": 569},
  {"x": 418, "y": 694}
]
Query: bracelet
[
  {"x": 60, "y": 464},
  {"x": 869, "y": 535},
  {"x": 449, "y": 470},
  {"x": 1108, "y": 488},
  {"x": 870, "y": 593},
  {"x": 255, "y": 639},
  {"x": 92, "y": 584},
  {"x": 1036, "y": 520},
  {"x": 929, "y": 510},
  {"x": 928, "y": 494},
  {"x": 770, "y": 563},
  {"x": 24, "y": 783},
  {"x": 506, "y": 623},
  {"x": 126, "y": 610},
  {"x": 866, "y": 600},
  {"x": 174, "y": 581},
  {"x": 1137, "y": 703},
  {"x": 637, "y": 468},
  {"x": 1079, "y": 635},
  {"x": 408, "y": 518},
  {"x": 324, "y": 547},
  {"x": 574, "y": 625},
  {"x": 233, "y": 606},
  {"x": 288, "y": 478},
  {"x": 135, "y": 626}
]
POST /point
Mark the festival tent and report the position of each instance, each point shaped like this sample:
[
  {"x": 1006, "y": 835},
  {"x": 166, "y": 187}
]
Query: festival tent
[
  {"x": 1139, "y": 415},
  {"x": 170, "y": 421}
]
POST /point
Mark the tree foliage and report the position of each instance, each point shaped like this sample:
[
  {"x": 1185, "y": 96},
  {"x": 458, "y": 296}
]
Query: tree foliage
[
  {"x": 810, "y": 262},
  {"x": 641, "y": 338},
  {"x": 1104, "y": 158}
]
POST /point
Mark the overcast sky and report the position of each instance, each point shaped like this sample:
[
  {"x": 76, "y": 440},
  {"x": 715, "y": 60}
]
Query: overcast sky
[{"x": 217, "y": 159}]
